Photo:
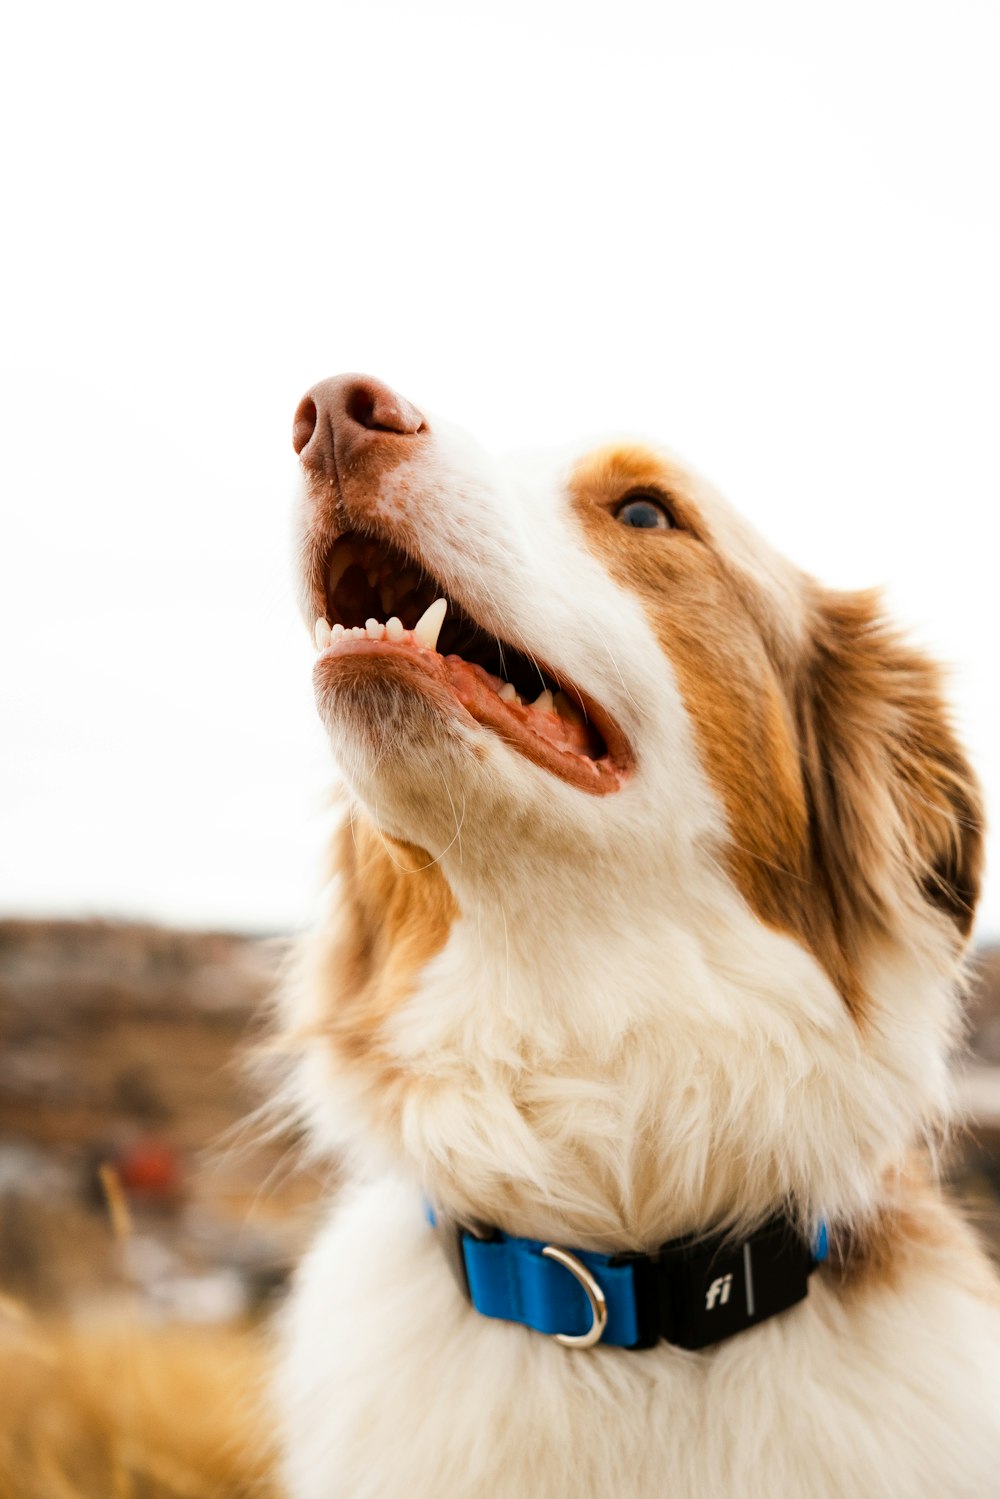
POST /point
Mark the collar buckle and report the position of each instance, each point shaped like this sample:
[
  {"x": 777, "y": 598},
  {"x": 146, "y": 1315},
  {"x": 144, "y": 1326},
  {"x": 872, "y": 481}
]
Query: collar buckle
[{"x": 592, "y": 1291}]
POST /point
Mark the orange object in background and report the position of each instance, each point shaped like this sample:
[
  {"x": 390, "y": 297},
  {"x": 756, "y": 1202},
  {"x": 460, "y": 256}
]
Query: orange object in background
[{"x": 150, "y": 1170}]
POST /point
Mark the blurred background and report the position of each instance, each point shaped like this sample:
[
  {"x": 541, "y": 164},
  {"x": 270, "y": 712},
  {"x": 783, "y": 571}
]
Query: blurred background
[{"x": 768, "y": 236}]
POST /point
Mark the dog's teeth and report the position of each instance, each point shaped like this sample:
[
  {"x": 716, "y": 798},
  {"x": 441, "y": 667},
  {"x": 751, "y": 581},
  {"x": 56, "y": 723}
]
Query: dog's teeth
[
  {"x": 321, "y": 634},
  {"x": 337, "y": 631},
  {"x": 566, "y": 708},
  {"x": 374, "y": 629},
  {"x": 507, "y": 692},
  {"x": 394, "y": 628},
  {"x": 543, "y": 702},
  {"x": 358, "y": 632},
  {"x": 428, "y": 626}
]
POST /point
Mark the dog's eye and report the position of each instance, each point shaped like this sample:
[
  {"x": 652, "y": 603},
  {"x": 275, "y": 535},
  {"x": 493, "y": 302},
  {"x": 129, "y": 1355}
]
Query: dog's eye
[{"x": 644, "y": 511}]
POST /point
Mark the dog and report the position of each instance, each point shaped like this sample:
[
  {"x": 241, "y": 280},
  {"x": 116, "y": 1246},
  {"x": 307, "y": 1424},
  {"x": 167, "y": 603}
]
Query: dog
[{"x": 633, "y": 1004}]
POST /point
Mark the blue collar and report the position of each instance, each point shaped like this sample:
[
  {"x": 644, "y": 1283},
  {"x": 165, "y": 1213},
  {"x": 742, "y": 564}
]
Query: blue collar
[{"x": 692, "y": 1292}]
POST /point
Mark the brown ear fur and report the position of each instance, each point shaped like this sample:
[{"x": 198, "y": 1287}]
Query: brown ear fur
[
  {"x": 396, "y": 911},
  {"x": 896, "y": 809}
]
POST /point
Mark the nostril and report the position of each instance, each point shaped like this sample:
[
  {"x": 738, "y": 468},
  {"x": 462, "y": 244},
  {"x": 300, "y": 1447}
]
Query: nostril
[
  {"x": 360, "y": 407},
  {"x": 378, "y": 408},
  {"x": 305, "y": 423}
]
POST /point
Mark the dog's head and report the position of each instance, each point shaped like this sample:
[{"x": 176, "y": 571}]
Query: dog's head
[{"x": 586, "y": 702}]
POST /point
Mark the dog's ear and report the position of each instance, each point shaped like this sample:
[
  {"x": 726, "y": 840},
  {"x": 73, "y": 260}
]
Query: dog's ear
[{"x": 897, "y": 813}]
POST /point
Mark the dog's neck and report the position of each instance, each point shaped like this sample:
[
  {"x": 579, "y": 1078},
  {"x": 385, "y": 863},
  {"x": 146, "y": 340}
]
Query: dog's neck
[{"x": 613, "y": 1073}]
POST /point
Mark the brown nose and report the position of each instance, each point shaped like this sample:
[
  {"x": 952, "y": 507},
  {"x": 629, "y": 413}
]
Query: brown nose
[{"x": 338, "y": 414}]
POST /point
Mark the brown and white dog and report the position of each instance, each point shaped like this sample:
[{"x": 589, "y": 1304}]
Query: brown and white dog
[{"x": 647, "y": 920}]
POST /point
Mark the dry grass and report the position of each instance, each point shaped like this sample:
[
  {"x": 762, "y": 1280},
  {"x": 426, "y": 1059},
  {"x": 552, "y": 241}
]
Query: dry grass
[
  {"x": 130, "y": 1413},
  {"x": 118, "y": 1410}
]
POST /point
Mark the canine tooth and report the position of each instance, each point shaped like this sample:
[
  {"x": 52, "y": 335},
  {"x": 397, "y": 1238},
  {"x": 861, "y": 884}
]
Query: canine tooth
[
  {"x": 394, "y": 628},
  {"x": 321, "y": 634},
  {"x": 428, "y": 626},
  {"x": 566, "y": 708},
  {"x": 508, "y": 692},
  {"x": 543, "y": 702},
  {"x": 374, "y": 629}
]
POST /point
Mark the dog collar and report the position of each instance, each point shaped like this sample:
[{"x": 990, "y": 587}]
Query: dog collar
[{"x": 692, "y": 1292}]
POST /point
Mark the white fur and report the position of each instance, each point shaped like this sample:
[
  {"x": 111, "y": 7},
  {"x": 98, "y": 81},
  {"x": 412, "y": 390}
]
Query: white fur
[
  {"x": 615, "y": 1048},
  {"x": 395, "y": 1389}
]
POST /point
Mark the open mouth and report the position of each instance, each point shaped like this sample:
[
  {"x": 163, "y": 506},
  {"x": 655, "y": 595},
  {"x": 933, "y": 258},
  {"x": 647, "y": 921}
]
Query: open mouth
[{"x": 382, "y": 603}]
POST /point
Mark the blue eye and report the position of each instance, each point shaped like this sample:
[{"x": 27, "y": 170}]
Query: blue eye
[{"x": 644, "y": 513}]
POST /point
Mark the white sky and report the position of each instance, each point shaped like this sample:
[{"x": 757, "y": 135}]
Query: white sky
[{"x": 766, "y": 234}]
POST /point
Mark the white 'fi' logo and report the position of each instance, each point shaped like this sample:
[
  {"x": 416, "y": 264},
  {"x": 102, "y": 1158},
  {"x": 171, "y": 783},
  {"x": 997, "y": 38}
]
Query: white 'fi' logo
[{"x": 718, "y": 1291}]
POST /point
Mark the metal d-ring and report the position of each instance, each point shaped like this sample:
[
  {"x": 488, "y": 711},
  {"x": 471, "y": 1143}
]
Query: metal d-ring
[{"x": 593, "y": 1292}]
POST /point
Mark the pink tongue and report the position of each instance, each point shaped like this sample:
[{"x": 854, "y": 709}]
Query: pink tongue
[{"x": 477, "y": 689}]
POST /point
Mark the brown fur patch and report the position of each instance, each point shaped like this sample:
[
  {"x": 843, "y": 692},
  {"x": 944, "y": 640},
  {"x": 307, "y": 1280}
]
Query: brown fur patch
[
  {"x": 732, "y": 689},
  {"x": 915, "y": 1229},
  {"x": 896, "y": 806},
  {"x": 843, "y": 786},
  {"x": 394, "y": 914}
]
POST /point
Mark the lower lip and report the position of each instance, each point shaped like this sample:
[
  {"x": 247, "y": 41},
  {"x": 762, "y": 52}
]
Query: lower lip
[{"x": 469, "y": 692}]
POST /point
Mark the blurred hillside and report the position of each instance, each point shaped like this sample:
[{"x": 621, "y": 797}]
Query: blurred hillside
[{"x": 129, "y": 1046}]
